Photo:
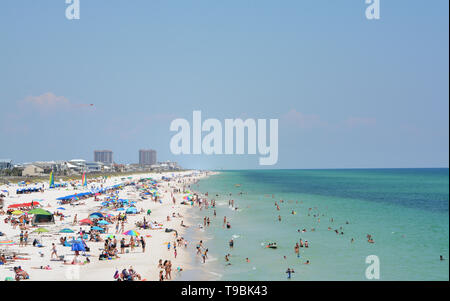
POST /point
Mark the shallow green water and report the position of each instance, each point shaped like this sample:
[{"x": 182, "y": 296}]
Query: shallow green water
[{"x": 405, "y": 210}]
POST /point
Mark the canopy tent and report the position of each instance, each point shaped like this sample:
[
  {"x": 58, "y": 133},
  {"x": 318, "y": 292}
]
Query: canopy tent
[
  {"x": 25, "y": 190},
  {"x": 43, "y": 219}
]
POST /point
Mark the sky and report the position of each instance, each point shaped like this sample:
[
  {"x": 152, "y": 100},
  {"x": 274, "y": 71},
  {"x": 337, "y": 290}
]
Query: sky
[{"x": 348, "y": 92}]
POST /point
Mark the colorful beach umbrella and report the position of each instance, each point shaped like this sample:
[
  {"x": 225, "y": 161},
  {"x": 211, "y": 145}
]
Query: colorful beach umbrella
[
  {"x": 6, "y": 243},
  {"x": 131, "y": 233},
  {"x": 66, "y": 230},
  {"x": 17, "y": 212}
]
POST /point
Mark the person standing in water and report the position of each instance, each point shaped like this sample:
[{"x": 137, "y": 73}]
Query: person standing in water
[{"x": 289, "y": 272}]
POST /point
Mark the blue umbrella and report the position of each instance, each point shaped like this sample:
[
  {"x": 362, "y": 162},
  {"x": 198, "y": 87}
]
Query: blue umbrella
[
  {"x": 61, "y": 208},
  {"x": 66, "y": 230},
  {"x": 103, "y": 222},
  {"x": 120, "y": 209},
  {"x": 97, "y": 214},
  {"x": 132, "y": 210},
  {"x": 97, "y": 228},
  {"x": 78, "y": 246}
]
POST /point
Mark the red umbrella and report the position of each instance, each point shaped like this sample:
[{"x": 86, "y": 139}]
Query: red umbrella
[
  {"x": 86, "y": 221},
  {"x": 23, "y": 205}
]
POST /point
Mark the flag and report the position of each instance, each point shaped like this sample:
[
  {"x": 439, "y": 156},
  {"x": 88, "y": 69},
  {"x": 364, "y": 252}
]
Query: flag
[
  {"x": 83, "y": 179},
  {"x": 51, "y": 181}
]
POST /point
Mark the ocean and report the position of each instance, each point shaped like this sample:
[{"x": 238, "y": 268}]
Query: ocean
[{"x": 405, "y": 210}]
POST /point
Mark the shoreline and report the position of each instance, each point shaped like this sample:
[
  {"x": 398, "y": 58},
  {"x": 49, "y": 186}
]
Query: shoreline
[{"x": 143, "y": 263}]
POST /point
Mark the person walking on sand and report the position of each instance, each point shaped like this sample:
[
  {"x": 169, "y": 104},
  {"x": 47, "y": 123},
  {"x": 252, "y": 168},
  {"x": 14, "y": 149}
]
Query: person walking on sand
[
  {"x": 21, "y": 239},
  {"x": 122, "y": 245},
  {"x": 143, "y": 244},
  {"x": 132, "y": 244},
  {"x": 54, "y": 251},
  {"x": 75, "y": 219}
]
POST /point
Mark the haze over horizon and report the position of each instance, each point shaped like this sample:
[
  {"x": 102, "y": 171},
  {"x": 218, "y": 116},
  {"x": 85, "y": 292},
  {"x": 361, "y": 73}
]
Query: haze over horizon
[{"x": 353, "y": 94}]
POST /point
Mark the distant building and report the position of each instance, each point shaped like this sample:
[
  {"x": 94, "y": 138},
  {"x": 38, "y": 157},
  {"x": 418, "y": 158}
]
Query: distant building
[
  {"x": 104, "y": 156},
  {"x": 94, "y": 166},
  {"x": 5, "y": 164},
  {"x": 77, "y": 165},
  {"x": 147, "y": 157},
  {"x": 32, "y": 170}
]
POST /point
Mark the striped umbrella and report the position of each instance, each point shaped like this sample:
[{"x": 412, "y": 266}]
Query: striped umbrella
[
  {"x": 132, "y": 233},
  {"x": 6, "y": 243}
]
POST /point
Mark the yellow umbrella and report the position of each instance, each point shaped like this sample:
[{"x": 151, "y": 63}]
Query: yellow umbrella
[{"x": 17, "y": 212}]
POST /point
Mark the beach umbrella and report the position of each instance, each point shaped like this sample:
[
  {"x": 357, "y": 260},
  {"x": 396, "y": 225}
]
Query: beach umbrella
[
  {"x": 7, "y": 243},
  {"x": 17, "y": 212},
  {"x": 98, "y": 228},
  {"x": 86, "y": 221},
  {"x": 41, "y": 230},
  {"x": 96, "y": 214},
  {"x": 66, "y": 230},
  {"x": 78, "y": 246},
  {"x": 131, "y": 210},
  {"x": 131, "y": 233},
  {"x": 103, "y": 222},
  {"x": 39, "y": 211},
  {"x": 61, "y": 208},
  {"x": 120, "y": 209}
]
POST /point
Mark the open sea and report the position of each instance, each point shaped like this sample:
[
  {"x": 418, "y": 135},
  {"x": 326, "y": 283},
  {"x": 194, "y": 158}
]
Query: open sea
[{"x": 405, "y": 210}]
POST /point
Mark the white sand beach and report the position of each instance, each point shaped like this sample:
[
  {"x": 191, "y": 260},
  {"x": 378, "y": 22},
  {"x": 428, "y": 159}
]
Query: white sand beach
[{"x": 32, "y": 258}]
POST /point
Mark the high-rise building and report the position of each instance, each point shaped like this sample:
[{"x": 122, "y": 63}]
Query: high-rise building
[
  {"x": 104, "y": 156},
  {"x": 147, "y": 157}
]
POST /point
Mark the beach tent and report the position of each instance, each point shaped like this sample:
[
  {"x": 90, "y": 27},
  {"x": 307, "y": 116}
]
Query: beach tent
[{"x": 42, "y": 216}]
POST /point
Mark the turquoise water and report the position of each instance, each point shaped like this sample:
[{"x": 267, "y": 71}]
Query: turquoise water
[{"x": 405, "y": 211}]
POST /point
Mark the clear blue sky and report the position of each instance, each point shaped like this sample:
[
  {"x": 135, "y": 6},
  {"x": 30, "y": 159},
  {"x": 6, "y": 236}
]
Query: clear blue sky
[{"x": 348, "y": 92}]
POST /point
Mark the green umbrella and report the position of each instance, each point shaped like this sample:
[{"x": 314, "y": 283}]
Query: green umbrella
[
  {"x": 39, "y": 211},
  {"x": 41, "y": 230}
]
